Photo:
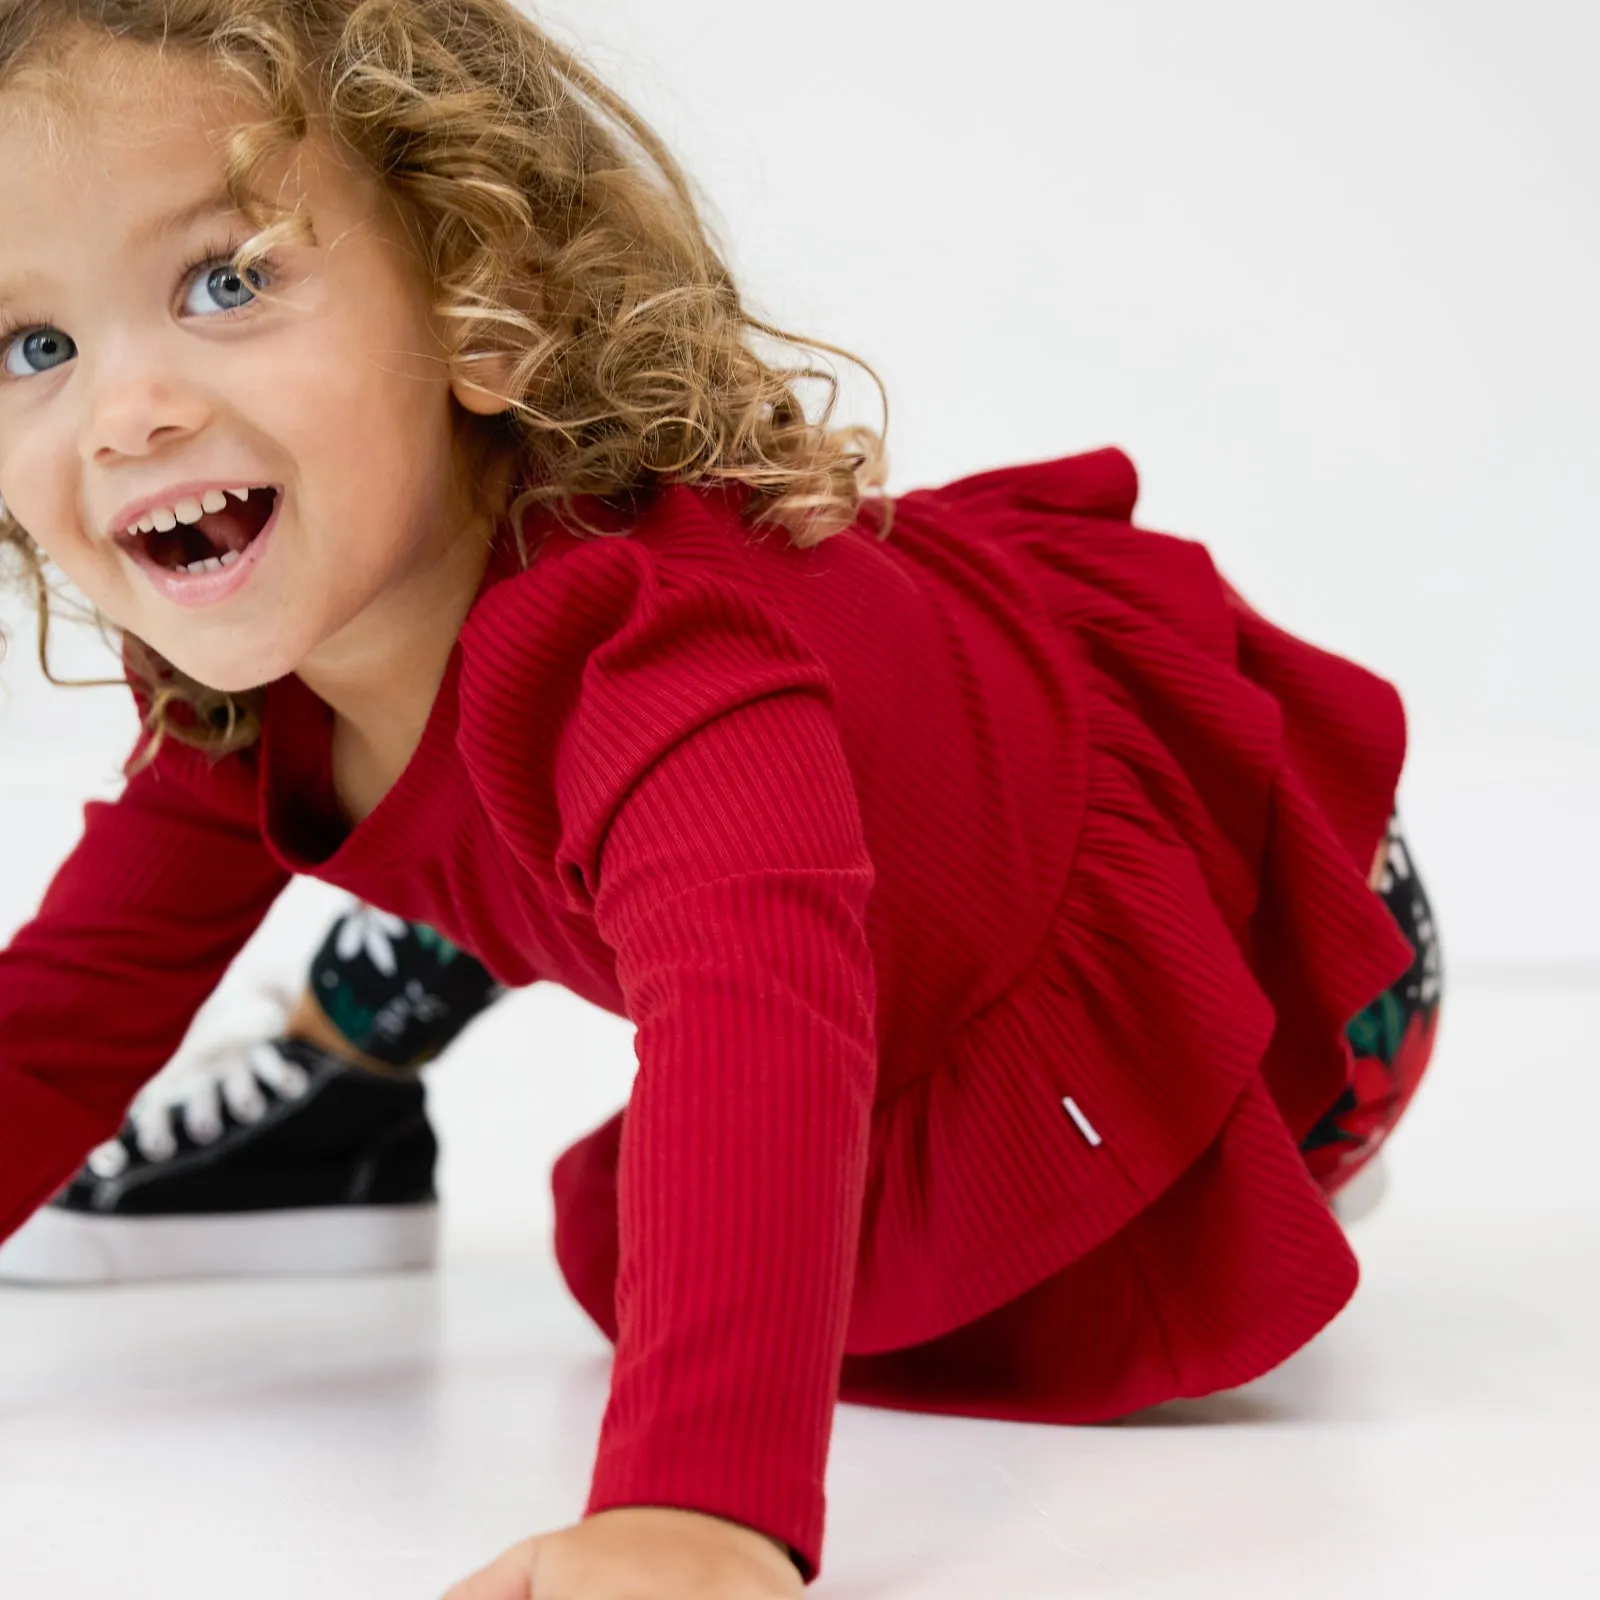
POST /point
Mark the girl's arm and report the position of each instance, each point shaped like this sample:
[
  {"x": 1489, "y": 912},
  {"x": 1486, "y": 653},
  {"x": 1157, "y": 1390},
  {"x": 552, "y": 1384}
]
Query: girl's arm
[
  {"x": 134, "y": 932},
  {"x": 733, "y": 884},
  {"x": 653, "y": 738}
]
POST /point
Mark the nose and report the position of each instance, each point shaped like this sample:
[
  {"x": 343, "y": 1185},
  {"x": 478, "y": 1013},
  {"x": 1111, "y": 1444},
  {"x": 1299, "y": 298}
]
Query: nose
[
  {"x": 137, "y": 406},
  {"x": 132, "y": 423}
]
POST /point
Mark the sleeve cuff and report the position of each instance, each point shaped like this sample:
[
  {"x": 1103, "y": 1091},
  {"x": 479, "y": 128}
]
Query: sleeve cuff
[
  {"x": 791, "y": 1510},
  {"x": 44, "y": 1137}
]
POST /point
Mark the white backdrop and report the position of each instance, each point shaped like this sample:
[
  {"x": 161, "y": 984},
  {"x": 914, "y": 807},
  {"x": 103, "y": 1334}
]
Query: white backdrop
[{"x": 1326, "y": 273}]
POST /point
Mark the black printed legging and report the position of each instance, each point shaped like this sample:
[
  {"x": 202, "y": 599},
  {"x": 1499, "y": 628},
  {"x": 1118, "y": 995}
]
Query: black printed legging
[{"x": 401, "y": 993}]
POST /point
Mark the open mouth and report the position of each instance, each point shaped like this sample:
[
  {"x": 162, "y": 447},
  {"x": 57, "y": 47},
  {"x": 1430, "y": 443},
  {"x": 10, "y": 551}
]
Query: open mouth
[{"x": 216, "y": 541}]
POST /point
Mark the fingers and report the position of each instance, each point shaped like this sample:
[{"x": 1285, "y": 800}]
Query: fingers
[{"x": 508, "y": 1577}]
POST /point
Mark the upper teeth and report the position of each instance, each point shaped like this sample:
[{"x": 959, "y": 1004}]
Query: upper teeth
[{"x": 162, "y": 519}]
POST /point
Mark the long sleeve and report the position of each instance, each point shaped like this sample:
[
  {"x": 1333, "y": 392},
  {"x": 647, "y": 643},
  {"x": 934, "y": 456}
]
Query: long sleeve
[
  {"x": 733, "y": 885},
  {"x": 137, "y": 927},
  {"x": 662, "y": 750}
]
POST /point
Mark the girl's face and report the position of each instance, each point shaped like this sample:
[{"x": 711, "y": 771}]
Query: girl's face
[{"x": 133, "y": 376}]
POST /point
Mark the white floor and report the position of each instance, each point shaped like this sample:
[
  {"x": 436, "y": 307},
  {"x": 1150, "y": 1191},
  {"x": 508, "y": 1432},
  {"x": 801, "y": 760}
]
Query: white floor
[{"x": 378, "y": 1438}]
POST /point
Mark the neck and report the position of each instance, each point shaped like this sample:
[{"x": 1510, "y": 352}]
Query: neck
[{"x": 380, "y": 678}]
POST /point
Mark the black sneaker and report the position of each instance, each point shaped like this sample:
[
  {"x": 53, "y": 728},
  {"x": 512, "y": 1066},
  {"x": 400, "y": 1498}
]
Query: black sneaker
[{"x": 290, "y": 1161}]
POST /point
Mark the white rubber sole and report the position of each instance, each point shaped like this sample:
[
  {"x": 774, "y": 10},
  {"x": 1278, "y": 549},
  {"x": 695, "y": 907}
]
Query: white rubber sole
[{"x": 56, "y": 1246}]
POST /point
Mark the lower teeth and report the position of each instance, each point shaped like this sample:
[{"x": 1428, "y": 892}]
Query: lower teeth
[{"x": 212, "y": 563}]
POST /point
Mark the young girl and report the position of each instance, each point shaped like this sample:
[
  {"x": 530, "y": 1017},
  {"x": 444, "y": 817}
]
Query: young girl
[{"x": 990, "y": 886}]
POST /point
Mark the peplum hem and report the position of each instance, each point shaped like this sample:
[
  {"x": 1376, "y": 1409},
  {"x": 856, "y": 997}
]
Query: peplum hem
[{"x": 1184, "y": 1017}]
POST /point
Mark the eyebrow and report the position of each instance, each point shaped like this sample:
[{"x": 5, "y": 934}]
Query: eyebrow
[
  {"x": 176, "y": 221},
  {"x": 148, "y": 233}
]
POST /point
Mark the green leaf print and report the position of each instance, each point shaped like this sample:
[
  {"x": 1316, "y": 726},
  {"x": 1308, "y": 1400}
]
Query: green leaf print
[
  {"x": 346, "y": 1013},
  {"x": 443, "y": 951},
  {"x": 1378, "y": 1030}
]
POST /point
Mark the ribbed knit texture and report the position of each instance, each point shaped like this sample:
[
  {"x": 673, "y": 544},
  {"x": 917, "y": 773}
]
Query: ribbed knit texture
[{"x": 989, "y": 901}]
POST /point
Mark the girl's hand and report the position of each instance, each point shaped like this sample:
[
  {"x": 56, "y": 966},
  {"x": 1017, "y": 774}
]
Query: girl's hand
[{"x": 640, "y": 1553}]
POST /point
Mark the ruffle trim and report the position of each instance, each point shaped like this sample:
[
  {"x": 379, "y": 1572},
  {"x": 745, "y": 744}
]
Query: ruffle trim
[{"x": 1216, "y": 930}]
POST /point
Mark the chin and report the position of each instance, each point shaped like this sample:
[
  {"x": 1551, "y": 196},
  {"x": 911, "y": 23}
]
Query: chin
[
  {"x": 226, "y": 676},
  {"x": 238, "y": 683}
]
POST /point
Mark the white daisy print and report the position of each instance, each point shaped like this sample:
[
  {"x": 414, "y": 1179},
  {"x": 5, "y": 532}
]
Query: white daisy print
[{"x": 366, "y": 928}]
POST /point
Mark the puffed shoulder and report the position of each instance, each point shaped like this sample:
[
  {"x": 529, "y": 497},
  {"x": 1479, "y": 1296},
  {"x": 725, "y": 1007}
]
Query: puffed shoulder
[{"x": 582, "y": 671}]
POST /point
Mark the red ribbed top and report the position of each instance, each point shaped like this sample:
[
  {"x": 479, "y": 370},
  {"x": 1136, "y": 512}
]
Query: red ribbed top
[{"x": 968, "y": 889}]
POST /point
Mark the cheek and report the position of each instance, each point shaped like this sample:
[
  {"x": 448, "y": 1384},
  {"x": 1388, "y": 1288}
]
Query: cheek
[
  {"x": 95, "y": 575},
  {"x": 50, "y": 518},
  {"x": 63, "y": 547},
  {"x": 92, "y": 567}
]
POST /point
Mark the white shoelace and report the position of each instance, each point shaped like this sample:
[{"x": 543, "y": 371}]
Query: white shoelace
[{"x": 231, "y": 1070}]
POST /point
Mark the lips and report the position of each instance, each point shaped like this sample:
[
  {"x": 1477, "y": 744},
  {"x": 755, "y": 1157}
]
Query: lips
[
  {"x": 212, "y": 583},
  {"x": 218, "y": 534}
]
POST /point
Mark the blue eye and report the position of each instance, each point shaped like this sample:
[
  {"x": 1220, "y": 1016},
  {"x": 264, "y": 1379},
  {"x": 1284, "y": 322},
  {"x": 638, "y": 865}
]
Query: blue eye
[{"x": 39, "y": 339}]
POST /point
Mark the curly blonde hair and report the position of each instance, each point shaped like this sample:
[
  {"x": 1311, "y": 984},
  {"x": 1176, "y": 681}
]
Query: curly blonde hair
[{"x": 549, "y": 241}]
